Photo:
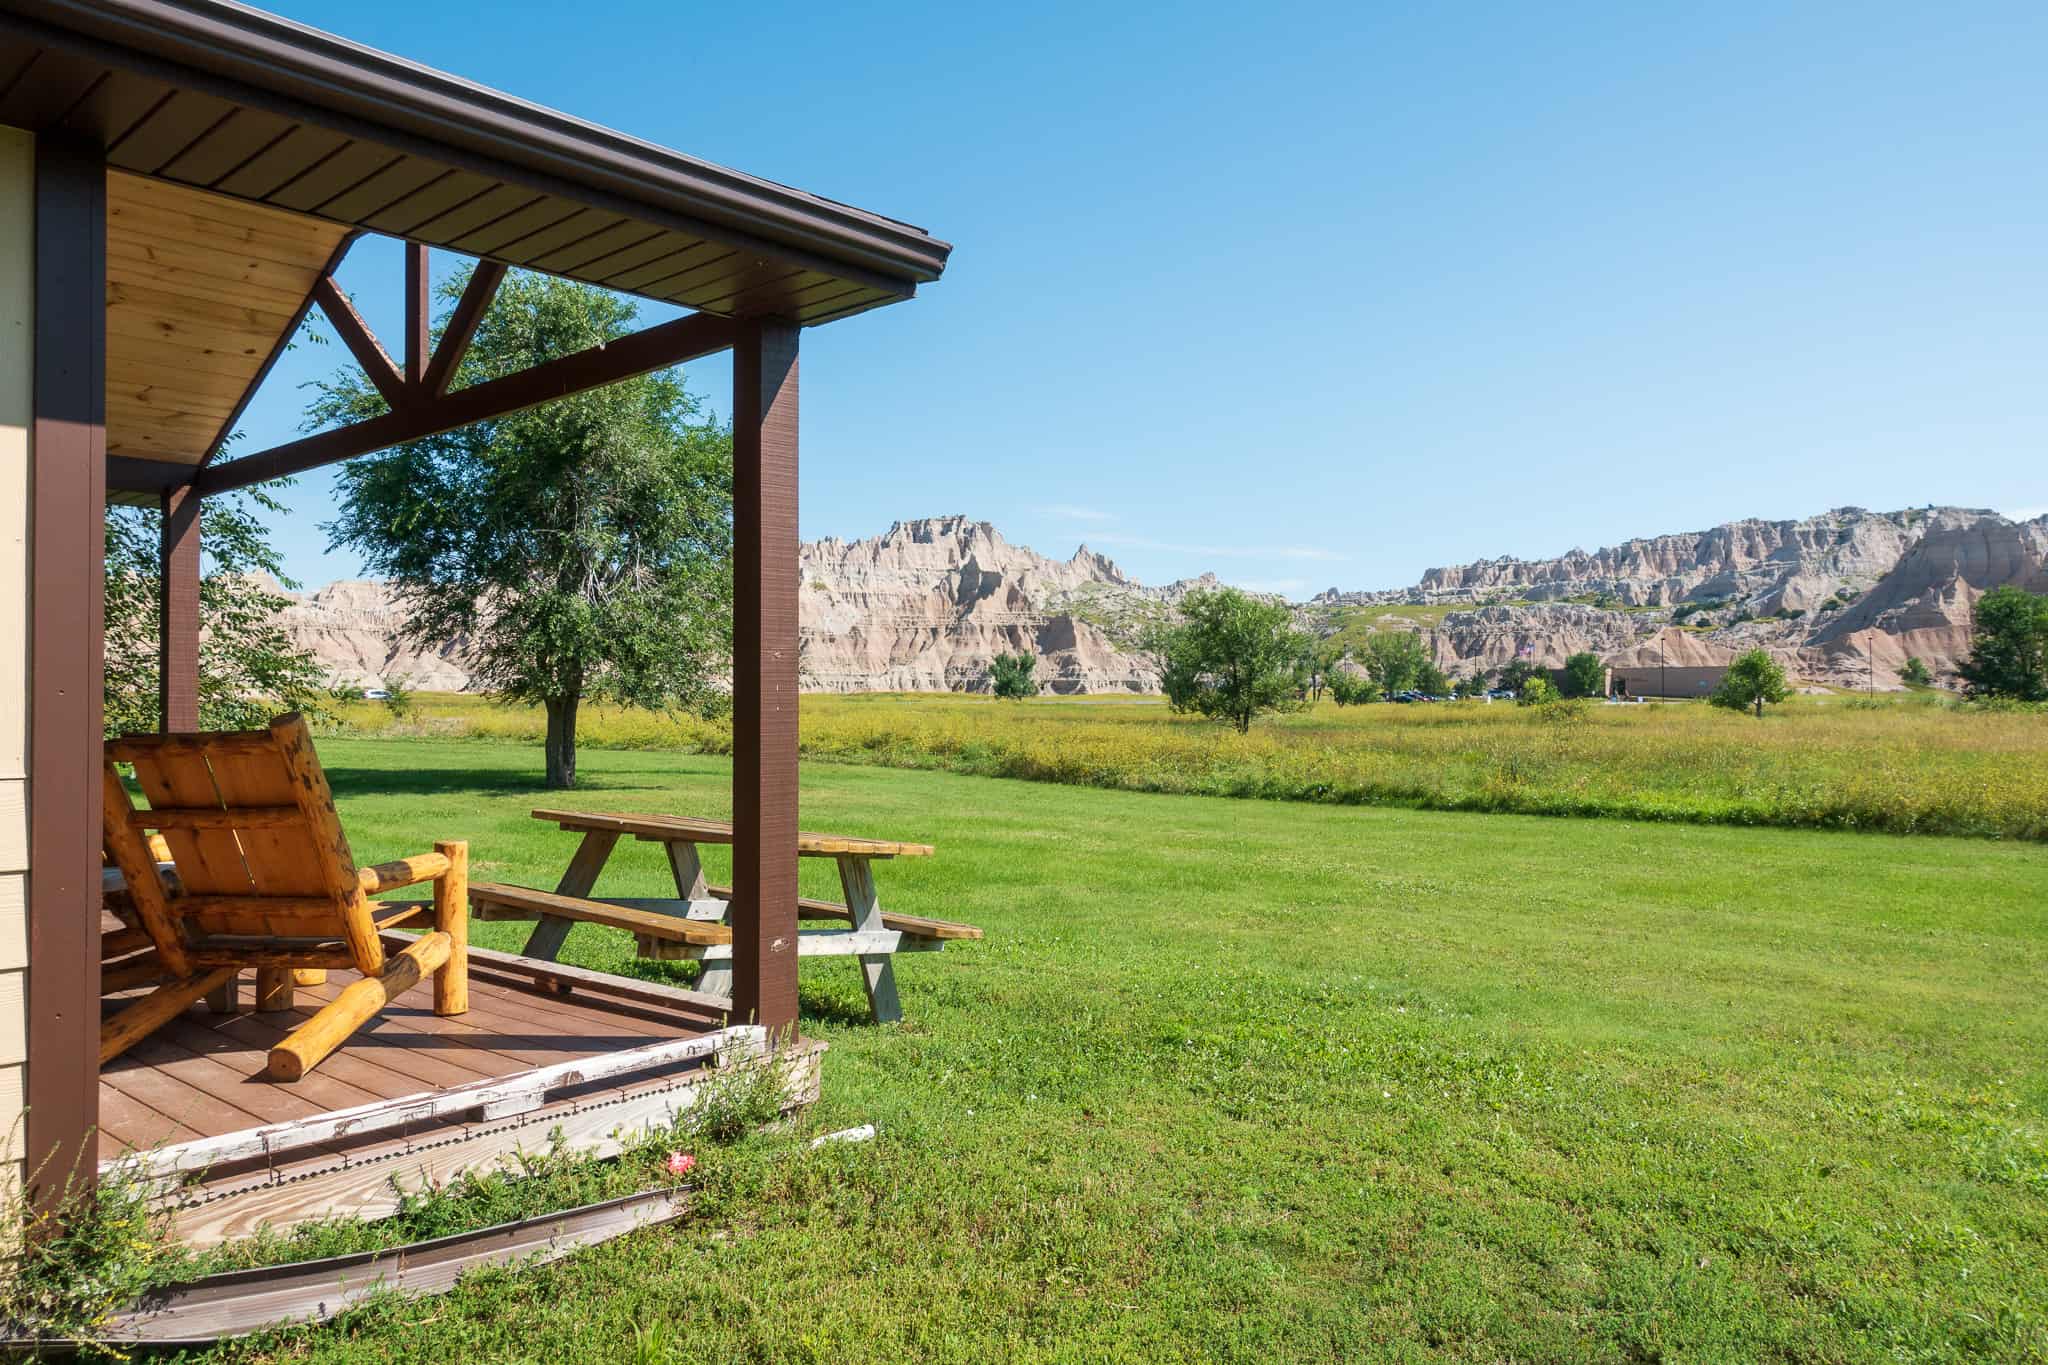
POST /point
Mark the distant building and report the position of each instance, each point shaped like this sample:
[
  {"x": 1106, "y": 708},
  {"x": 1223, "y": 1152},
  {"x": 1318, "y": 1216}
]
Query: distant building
[{"x": 1653, "y": 680}]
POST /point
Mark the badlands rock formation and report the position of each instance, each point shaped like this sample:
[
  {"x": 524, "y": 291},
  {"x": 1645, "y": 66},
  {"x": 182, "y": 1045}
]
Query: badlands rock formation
[
  {"x": 1841, "y": 598},
  {"x": 927, "y": 605}
]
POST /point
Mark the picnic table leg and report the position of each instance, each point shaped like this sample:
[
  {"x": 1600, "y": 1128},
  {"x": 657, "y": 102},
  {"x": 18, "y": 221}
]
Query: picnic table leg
[
  {"x": 857, "y": 878},
  {"x": 548, "y": 935},
  {"x": 716, "y": 977}
]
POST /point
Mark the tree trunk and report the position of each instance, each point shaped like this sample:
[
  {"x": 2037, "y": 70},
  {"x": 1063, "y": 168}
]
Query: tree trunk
[
  {"x": 562, "y": 741},
  {"x": 1759, "y": 708}
]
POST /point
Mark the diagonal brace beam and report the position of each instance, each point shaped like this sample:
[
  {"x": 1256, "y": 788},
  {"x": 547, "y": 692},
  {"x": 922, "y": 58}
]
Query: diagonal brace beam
[
  {"x": 462, "y": 324},
  {"x": 362, "y": 344},
  {"x": 655, "y": 348}
]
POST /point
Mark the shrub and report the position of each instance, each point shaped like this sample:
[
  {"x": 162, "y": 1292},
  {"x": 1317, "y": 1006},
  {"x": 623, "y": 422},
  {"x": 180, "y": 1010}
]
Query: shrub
[
  {"x": 2008, "y": 645},
  {"x": 1010, "y": 676},
  {"x": 1538, "y": 692},
  {"x": 1753, "y": 679},
  {"x": 1584, "y": 675}
]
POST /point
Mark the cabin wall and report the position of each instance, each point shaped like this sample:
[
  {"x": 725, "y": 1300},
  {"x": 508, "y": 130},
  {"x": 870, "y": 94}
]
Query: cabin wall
[{"x": 17, "y": 378}]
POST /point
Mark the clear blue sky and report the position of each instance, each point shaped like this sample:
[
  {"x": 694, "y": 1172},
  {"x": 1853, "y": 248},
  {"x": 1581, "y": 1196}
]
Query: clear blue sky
[{"x": 1327, "y": 294}]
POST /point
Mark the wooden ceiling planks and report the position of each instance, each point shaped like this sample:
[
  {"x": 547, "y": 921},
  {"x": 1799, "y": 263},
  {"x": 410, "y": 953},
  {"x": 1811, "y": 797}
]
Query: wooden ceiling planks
[{"x": 200, "y": 288}]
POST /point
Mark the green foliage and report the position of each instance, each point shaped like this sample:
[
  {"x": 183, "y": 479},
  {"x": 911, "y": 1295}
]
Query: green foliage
[
  {"x": 1515, "y": 674},
  {"x": 399, "y": 698},
  {"x": 249, "y": 671},
  {"x": 1010, "y": 677},
  {"x": 1313, "y": 670},
  {"x": 1393, "y": 659},
  {"x": 1538, "y": 691},
  {"x": 1232, "y": 658},
  {"x": 1431, "y": 680},
  {"x": 345, "y": 692},
  {"x": 1913, "y": 673},
  {"x": 1349, "y": 689},
  {"x": 583, "y": 547},
  {"x": 2008, "y": 646},
  {"x": 1584, "y": 676},
  {"x": 65, "y": 1270},
  {"x": 1753, "y": 679},
  {"x": 1473, "y": 686}
]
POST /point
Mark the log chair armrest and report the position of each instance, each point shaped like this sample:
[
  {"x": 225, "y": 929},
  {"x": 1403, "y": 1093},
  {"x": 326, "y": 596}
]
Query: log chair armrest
[{"x": 421, "y": 867}]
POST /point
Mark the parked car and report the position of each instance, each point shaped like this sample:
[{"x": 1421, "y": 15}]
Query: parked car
[{"x": 376, "y": 694}]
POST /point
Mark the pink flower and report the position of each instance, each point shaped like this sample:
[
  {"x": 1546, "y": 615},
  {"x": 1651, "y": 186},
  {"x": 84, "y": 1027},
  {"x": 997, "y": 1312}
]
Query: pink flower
[{"x": 681, "y": 1163}]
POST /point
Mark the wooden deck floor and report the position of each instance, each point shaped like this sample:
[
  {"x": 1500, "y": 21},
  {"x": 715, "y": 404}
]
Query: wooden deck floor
[{"x": 203, "y": 1077}]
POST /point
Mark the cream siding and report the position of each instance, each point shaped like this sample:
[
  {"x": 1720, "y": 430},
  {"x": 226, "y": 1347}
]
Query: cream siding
[{"x": 17, "y": 354}]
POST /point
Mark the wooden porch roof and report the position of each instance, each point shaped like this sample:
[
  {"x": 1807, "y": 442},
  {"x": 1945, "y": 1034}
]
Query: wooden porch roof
[{"x": 246, "y": 151}]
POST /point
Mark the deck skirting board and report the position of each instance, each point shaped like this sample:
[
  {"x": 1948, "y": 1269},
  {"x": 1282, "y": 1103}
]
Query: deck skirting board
[
  {"x": 521, "y": 1092},
  {"x": 372, "y": 1184}
]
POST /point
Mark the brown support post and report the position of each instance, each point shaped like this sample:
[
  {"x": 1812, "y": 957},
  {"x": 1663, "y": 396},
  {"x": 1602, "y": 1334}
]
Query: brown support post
[
  {"x": 178, "y": 614},
  {"x": 764, "y": 857},
  {"x": 417, "y": 286},
  {"x": 67, "y": 510}
]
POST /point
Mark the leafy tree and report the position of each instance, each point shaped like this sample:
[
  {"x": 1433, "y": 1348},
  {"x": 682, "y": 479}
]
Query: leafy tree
[
  {"x": 1753, "y": 679},
  {"x": 1010, "y": 675},
  {"x": 249, "y": 670},
  {"x": 1913, "y": 673},
  {"x": 583, "y": 548},
  {"x": 1515, "y": 674},
  {"x": 1431, "y": 680},
  {"x": 398, "y": 695},
  {"x": 1231, "y": 658},
  {"x": 1474, "y": 686},
  {"x": 1318, "y": 662},
  {"x": 1538, "y": 691},
  {"x": 1348, "y": 689},
  {"x": 2008, "y": 646},
  {"x": 1584, "y": 676},
  {"x": 1393, "y": 659}
]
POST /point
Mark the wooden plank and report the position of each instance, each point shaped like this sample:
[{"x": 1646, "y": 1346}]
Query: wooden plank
[
  {"x": 662, "y": 828},
  {"x": 361, "y": 342},
  {"x": 857, "y": 879},
  {"x": 600, "y": 983},
  {"x": 135, "y": 255},
  {"x": 204, "y": 817},
  {"x": 328, "y": 861},
  {"x": 153, "y": 1011},
  {"x": 553, "y": 906},
  {"x": 547, "y": 938},
  {"x": 915, "y": 926},
  {"x": 429, "y": 1106}
]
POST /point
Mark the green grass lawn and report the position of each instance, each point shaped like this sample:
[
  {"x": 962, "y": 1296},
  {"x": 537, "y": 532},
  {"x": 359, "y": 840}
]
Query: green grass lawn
[{"x": 1244, "y": 1080}]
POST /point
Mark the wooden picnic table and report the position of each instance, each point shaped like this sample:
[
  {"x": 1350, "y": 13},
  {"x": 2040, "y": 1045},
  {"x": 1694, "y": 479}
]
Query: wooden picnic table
[{"x": 691, "y": 925}]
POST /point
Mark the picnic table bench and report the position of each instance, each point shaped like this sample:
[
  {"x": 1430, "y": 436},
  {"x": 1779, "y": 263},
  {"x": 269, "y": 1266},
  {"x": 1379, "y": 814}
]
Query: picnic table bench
[{"x": 691, "y": 925}]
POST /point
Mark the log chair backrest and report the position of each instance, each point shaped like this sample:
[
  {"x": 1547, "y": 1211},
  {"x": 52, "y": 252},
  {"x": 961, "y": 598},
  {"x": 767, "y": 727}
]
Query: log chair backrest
[{"x": 259, "y": 850}]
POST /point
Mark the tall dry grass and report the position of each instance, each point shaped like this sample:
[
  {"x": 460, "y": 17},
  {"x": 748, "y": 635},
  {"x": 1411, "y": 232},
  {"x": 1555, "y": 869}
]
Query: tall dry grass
[{"x": 1910, "y": 767}]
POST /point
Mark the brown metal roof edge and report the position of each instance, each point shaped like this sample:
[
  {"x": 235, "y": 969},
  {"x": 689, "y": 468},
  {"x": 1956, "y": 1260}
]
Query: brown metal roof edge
[
  {"x": 241, "y": 1302},
  {"x": 393, "y": 100}
]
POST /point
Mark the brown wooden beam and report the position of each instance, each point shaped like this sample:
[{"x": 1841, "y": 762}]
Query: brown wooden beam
[
  {"x": 361, "y": 342},
  {"x": 418, "y": 284},
  {"x": 462, "y": 324},
  {"x": 67, "y": 510},
  {"x": 277, "y": 349},
  {"x": 764, "y": 766},
  {"x": 656, "y": 348},
  {"x": 177, "y": 661}
]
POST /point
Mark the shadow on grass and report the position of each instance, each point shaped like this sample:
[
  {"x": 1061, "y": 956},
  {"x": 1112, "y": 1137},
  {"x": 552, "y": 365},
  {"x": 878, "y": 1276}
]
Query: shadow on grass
[
  {"x": 815, "y": 1003},
  {"x": 348, "y": 782}
]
